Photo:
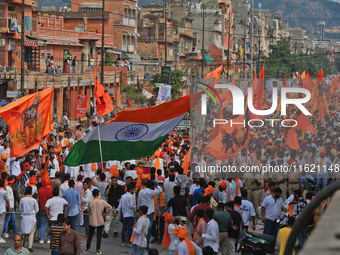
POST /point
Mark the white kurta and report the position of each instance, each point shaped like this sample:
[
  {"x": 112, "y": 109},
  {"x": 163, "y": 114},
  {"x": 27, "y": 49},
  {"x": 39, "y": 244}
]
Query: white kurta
[{"x": 29, "y": 208}]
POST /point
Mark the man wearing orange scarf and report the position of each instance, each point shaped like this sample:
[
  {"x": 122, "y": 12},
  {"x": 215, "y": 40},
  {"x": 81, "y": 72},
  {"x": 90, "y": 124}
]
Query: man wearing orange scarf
[
  {"x": 186, "y": 247},
  {"x": 158, "y": 161},
  {"x": 3, "y": 167}
]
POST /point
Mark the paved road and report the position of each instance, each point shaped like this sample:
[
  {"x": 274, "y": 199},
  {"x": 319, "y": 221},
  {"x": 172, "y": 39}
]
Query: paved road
[{"x": 109, "y": 245}]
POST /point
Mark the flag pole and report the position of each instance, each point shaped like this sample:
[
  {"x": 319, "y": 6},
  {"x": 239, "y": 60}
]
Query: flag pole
[
  {"x": 100, "y": 147},
  {"x": 97, "y": 115}
]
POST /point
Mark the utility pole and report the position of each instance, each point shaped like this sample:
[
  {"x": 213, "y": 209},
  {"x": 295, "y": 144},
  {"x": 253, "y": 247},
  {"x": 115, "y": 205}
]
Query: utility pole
[
  {"x": 165, "y": 33},
  {"x": 228, "y": 56},
  {"x": 258, "y": 55},
  {"x": 252, "y": 40},
  {"x": 244, "y": 53},
  {"x": 203, "y": 14},
  {"x": 102, "y": 50},
  {"x": 22, "y": 47}
]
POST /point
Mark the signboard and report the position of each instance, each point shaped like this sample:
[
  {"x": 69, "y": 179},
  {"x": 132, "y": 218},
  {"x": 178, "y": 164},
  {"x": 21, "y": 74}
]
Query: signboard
[
  {"x": 13, "y": 94},
  {"x": 81, "y": 106},
  {"x": 166, "y": 74},
  {"x": 31, "y": 43}
]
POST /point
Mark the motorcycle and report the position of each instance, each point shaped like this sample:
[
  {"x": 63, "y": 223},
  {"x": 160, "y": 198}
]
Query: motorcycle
[{"x": 248, "y": 240}]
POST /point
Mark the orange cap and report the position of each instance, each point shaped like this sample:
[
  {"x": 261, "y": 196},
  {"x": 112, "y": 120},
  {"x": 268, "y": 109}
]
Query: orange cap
[
  {"x": 181, "y": 232},
  {"x": 60, "y": 134},
  {"x": 4, "y": 156},
  {"x": 167, "y": 217},
  {"x": 209, "y": 190}
]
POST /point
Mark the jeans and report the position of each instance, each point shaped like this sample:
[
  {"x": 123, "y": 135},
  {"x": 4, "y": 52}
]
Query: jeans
[
  {"x": 10, "y": 217},
  {"x": 2, "y": 221},
  {"x": 271, "y": 228},
  {"x": 87, "y": 223},
  {"x": 54, "y": 252},
  {"x": 150, "y": 216},
  {"x": 136, "y": 250},
  {"x": 127, "y": 226},
  {"x": 74, "y": 222},
  {"x": 74, "y": 69},
  {"x": 43, "y": 222},
  {"x": 99, "y": 237}
]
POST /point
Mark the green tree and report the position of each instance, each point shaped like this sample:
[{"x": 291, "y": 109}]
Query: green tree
[
  {"x": 176, "y": 81},
  {"x": 281, "y": 61}
]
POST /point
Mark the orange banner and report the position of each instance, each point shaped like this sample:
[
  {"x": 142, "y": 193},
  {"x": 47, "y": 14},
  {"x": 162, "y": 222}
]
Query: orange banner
[{"x": 29, "y": 119}]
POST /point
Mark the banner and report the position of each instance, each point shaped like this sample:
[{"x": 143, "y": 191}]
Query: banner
[
  {"x": 29, "y": 119},
  {"x": 164, "y": 94},
  {"x": 81, "y": 106}
]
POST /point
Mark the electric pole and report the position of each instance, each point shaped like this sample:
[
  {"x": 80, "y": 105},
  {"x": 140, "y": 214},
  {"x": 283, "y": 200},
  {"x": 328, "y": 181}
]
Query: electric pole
[
  {"x": 102, "y": 50},
  {"x": 165, "y": 33},
  {"x": 252, "y": 40},
  {"x": 203, "y": 14},
  {"x": 22, "y": 75}
]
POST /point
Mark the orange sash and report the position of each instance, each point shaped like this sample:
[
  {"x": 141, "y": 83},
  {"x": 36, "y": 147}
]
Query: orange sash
[
  {"x": 133, "y": 233},
  {"x": 194, "y": 239},
  {"x": 166, "y": 237},
  {"x": 290, "y": 208},
  {"x": 191, "y": 248},
  {"x": 82, "y": 202}
]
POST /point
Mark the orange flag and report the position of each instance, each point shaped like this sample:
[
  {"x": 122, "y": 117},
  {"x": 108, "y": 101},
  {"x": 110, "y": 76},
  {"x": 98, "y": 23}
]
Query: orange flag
[
  {"x": 291, "y": 138},
  {"x": 305, "y": 124},
  {"x": 260, "y": 89},
  {"x": 214, "y": 74},
  {"x": 186, "y": 162},
  {"x": 29, "y": 119},
  {"x": 104, "y": 102}
]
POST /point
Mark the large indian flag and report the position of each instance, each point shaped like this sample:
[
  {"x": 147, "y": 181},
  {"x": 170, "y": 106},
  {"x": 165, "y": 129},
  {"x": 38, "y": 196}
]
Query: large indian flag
[{"x": 132, "y": 134}]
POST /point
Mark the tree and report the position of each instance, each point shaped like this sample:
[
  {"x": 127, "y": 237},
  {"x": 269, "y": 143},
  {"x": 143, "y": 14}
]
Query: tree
[
  {"x": 176, "y": 81},
  {"x": 281, "y": 61}
]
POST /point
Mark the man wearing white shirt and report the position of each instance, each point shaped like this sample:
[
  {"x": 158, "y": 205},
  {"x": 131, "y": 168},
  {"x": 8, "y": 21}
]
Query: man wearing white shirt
[
  {"x": 146, "y": 197},
  {"x": 322, "y": 164},
  {"x": 271, "y": 212},
  {"x": 55, "y": 206},
  {"x": 53, "y": 165},
  {"x": 15, "y": 165},
  {"x": 64, "y": 186},
  {"x": 211, "y": 238},
  {"x": 248, "y": 210},
  {"x": 127, "y": 206}
]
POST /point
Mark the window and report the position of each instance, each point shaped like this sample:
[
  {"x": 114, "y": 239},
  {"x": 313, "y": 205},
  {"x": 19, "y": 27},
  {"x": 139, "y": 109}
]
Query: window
[
  {"x": 124, "y": 39},
  {"x": 125, "y": 13}
]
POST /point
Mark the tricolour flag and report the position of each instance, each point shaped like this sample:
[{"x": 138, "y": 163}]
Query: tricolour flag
[
  {"x": 29, "y": 119},
  {"x": 132, "y": 134}
]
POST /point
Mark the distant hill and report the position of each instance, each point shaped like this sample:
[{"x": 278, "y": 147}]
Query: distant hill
[
  {"x": 305, "y": 13},
  {"x": 56, "y": 3}
]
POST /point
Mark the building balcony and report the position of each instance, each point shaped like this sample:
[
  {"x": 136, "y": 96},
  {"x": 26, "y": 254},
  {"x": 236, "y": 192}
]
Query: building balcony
[
  {"x": 184, "y": 31},
  {"x": 57, "y": 33}
]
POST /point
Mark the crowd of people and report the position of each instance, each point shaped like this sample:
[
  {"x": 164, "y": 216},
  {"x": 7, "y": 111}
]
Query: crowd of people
[{"x": 160, "y": 199}]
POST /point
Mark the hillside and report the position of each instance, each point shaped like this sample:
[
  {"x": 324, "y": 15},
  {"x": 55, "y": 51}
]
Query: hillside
[{"x": 305, "y": 13}]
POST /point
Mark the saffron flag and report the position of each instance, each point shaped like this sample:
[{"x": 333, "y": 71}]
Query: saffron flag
[
  {"x": 132, "y": 134},
  {"x": 214, "y": 74},
  {"x": 29, "y": 119},
  {"x": 260, "y": 89},
  {"x": 104, "y": 104}
]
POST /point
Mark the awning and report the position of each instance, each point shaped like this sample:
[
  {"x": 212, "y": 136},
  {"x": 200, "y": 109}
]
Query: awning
[
  {"x": 133, "y": 57},
  {"x": 113, "y": 51},
  {"x": 91, "y": 5},
  {"x": 131, "y": 34},
  {"x": 135, "y": 8},
  {"x": 64, "y": 42}
]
